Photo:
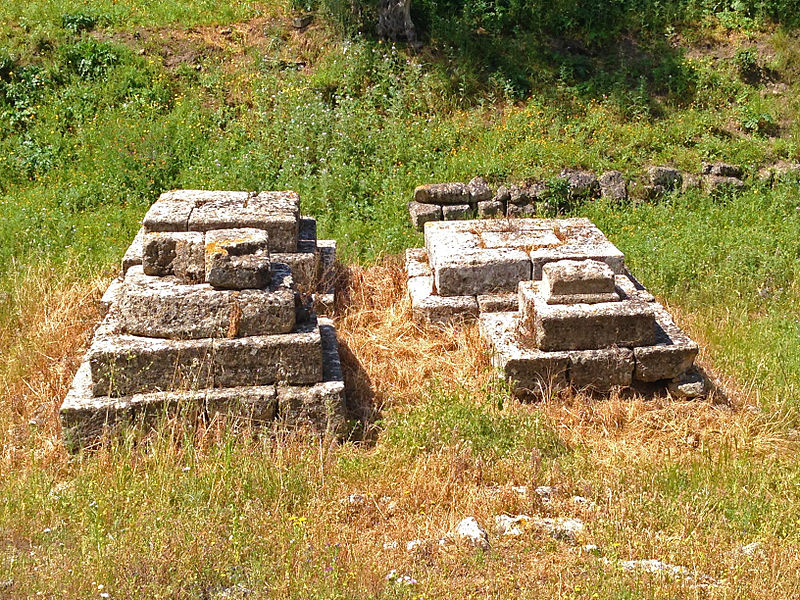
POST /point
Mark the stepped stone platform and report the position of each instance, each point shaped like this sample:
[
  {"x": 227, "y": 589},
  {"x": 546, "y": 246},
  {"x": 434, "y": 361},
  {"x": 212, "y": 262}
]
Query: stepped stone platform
[
  {"x": 577, "y": 317},
  {"x": 214, "y": 314}
]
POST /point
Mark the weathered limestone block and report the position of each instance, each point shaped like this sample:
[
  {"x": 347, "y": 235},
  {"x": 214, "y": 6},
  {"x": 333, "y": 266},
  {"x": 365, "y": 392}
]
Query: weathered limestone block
[
  {"x": 124, "y": 365},
  {"x": 528, "y": 370},
  {"x": 578, "y": 281},
  {"x": 582, "y": 184},
  {"x": 133, "y": 255},
  {"x": 160, "y": 249},
  {"x": 112, "y": 294},
  {"x": 522, "y": 210},
  {"x": 190, "y": 258},
  {"x": 326, "y": 274},
  {"x": 717, "y": 183},
  {"x": 613, "y": 186},
  {"x": 417, "y": 263},
  {"x": 422, "y": 213},
  {"x": 254, "y": 404},
  {"x": 479, "y": 190},
  {"x": 666, "y": 177},
  {"x": 162, "y": 307},
  {"x": 722, "y": 169},
  {"x": 442, "y": 193},
  {"x": 504, "y": 302},
  {"x": 491, "y": 208},
  {"x": 629, "y": 288},
  {"x": 584, "y": 326},
  {"x": 277, "y": 213},
  {"x": 304, "y": 267},
  {"x": 689, "y": 385},
  {"x": 519, "y": 194},
  {"x": 457, "y": 211},
  {"x": 672, "y": 355},
  {"x": 237, "y": 258},
  {"x": 502, "y": 195},
  {"x": 601, "y": 369},
  {"x": 168, "y": 213},
  {"x": 430, "y": 308},
  {"x": 482, "y": 272}
]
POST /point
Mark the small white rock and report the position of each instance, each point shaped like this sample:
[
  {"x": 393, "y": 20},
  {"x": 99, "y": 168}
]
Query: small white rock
[
  {"x": 414, "y": 545},
  {"x": 593, "y": 548},
  {"x": 393, "y": 545},
  {"x": 508, "y": 525},
  {"x": 751, "y": 550},
  {"x": 520, "y": 490},
  {"x": 470, "y": 530},
  {"x": 545, "y": 492},
  {"x": 354, "y": 500}
]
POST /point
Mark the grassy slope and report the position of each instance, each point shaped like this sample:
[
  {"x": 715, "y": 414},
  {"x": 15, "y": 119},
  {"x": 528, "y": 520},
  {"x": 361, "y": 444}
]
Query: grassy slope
[{"x": 86, "y": 148}]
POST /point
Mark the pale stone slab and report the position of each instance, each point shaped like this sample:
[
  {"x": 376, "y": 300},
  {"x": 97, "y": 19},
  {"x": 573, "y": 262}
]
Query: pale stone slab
[
  {"x": 601, "y": 369},
  {"x": 431, "y": 308},
  {"x": 455, "y": 212},
  {"x": 629, "y": 288},
  {"x": 124, "y": 364},
  {"x": 528, "y": 370},
  {"x": 420, "y": 214},
  {"x": 672, "y": 355},
  {"x": 442, "y": 193},
  {"x": 505, "y": 302},
  {"x": 168, "y": 213},
  {"x": 133, "y": 255},
  {"x": 237, "y": 258},
  {"x": 112, "y": 294},
  {"x": 584, "y": 326},
  {"x": 417, "y": 263},
  {"x": 565, "y": 280},
  {"x": 482, "y": 272},
  {"x": 277, "y": 213},
  {"x": 162, "y": 307}
]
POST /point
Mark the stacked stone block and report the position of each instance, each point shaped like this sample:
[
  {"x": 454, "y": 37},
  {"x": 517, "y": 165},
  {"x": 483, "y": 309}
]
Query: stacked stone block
[{"x": 214, "y": 313}]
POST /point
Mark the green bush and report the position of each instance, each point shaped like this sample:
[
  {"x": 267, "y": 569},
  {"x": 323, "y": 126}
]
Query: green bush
[
  {"x": 78, "y": 22},
  {"x": 90, "y": 59}
]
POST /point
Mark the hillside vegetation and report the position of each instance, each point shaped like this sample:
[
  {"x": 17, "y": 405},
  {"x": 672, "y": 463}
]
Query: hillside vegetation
[{"x": 105, "y": 105}]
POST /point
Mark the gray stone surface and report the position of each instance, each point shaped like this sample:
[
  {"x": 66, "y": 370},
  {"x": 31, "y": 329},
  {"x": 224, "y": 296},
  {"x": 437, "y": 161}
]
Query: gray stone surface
[
  {"x": 528, "y": 370},
  {"x": 581, "y": 183},
  {"x": 169, "y": 213},
  {"x": 502, "y": 195},
  {"x": 689, "y": 385},
  {"x": 691, "y": 182},
  {"x": 666, "y": 177},
  {"x": 672, "y": 355},
  {"x": 575, "y": 278},
  {"x": 613, "y": 186},
  {"x": 326, "y": 274},
  {"x": 237, "y": 258},
  {"x": 717, "y": 183},
  {"x": 277, "y": 213},
  {"x": 420, "y": 214},
  {"x": 417, "y": 262},
  {"x": 133, "y": 255},
  {"x": 442, "y": 193},
  {"x": 491, "y": 208},
  {"x": 584, "y": 326},
  {"x": 479, "y": 190},
  {"x": 307, "y": 230},
  {"x": 304, "y": 267},
  {"x": 428, "y": 307},
  {"x": 722, "y": 169},
  {"x": 601, "y": 369},
  {"x": 503, "y": 302},
  {"x": 112, "y": 294},
  {"x": 629, "y": 288},
  {"x": 455, "y": 212},
  {"x": 521, "y": 210},
  {"x": 124, "y": 364},
  {"x": 163, "y": 307},
  {"x": 189, "y": 265},
  {"x": 519, "y": 194},
  {"x": 159, "y": 250}
]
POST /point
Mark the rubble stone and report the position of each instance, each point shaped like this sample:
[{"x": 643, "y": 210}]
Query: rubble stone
[
  {"x": 442, "y": 193},
  {"x": 722, "y": 169},
  {"x": 479, "y": 190},
  {"x": 717, "y": 183},
  {"x": 491, "y": 208},
  {"x": 666, "y": 177},
  {"x": 422, "y": 213},
  {"x": 689, "y": 385},
  {"x": 457, "y": 211},
  {"x": 612, "y": 186},
  {"x": 582, "y": 184}
]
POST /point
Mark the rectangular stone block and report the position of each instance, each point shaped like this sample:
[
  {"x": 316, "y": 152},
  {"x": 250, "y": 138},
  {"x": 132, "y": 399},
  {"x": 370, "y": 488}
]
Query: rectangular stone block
[
  {"x": 584, "y": 326},
  {"x": 133, "y": 255},
  {"x": 576, "y": 277},
  {"x": 529, "y": 371},
  {"x": 237, "y": 258},
  {"x": 423, "y": 213},
  {"x": 304, "y": 266},
  {"x": 505, "y": 302},
  {"x": 427, "y": 307},
  {"x": 169, "y": 213},
  {"x": 455, "y": 212},
  {"x": 482, "y": 272},
  {"x": 112, "y": 293},
  {"x": 629, "y": 288},
  {"x": 307, "y": 230},
  {"x": 162, "y": 307},
  {"x": 601, "y": 369},
  {"x": 417, "y": 263},
  {"x": 124, "y": 365},
  {"x": 326, "y": 274},
  {"x": 672, "y": 355},
  {"x": 442, "y": 193},
  {"x": 491, "y": 208},
  {"x": 160, "y": 249},
  {"x": 257, "y": 405},
  {"x": 277, "y": 213},
  {"x": 189, "y": 265}
]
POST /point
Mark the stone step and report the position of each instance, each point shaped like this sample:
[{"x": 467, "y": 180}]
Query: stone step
[
  {"x": 124, "y": 364},
  {"x": 429, "y": 307},
  {"x": 320, "y": 406},
  {"x": 584, "y": 326},
  {"x": 163, "y": 307},
  {"x": 672, "y": 355}
]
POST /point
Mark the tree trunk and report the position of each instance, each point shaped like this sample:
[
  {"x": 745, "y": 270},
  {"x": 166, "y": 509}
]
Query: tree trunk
[{"x": 394, "y": 21}]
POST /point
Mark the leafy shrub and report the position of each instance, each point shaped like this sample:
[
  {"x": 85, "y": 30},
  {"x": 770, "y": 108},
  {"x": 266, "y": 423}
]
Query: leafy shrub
[
  {"x": 746, "y": 61},
  {"x": 78, "y": 22},
  {"x": 91, "y": 59}
]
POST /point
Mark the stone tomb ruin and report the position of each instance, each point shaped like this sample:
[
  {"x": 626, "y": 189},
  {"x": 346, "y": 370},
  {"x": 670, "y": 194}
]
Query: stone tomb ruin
[
  {"x": 215, "y": 312},
  {"x": 556, "y": 304}
]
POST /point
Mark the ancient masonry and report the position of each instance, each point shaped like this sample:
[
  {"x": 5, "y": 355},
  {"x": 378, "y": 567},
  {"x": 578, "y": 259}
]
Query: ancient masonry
[
  {"x": 215, "y": 313},
  {"x": 556, "y": 305}
]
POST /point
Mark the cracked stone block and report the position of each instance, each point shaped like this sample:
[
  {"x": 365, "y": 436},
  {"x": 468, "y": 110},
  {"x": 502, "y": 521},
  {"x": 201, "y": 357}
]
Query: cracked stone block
[
  {"x": 277, "y": 213},
  {"x": 666, "y": 177},
  {"x": 442, "y": 193},
  {"x": 237, "y": 258},
  {"x": 479, "y": 190},
  {"x": 133, "y": 255},
  {"x": 417, "y": 262},
  {"x": 613, "y": 186},
  {"x": 189, "y": 265},
  {"x": 304, "y": 267},
  {"x": 169, "y": 213},
  {"x": 528, "y": 370},
  {"x": 162, "y": 307},
  {"x": 123, "y": 364},
  {"x": 584, "y": 326},
  {"x": 601, "y": 369},
  {"x": 455, "y": 212},
  {"x": 672, "y": 355},
  {"x": 489, "y": 209},
  {"x": 578, "y": 281},
  {"x": 505, "y": 302},
  {"x": 326, "y": 275},
  {"x": 582, "y": 184},
  {"x": 160, "y": 249},
  {"x": 431, "y": 308},
  {"x": 422, "y": 213}
]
